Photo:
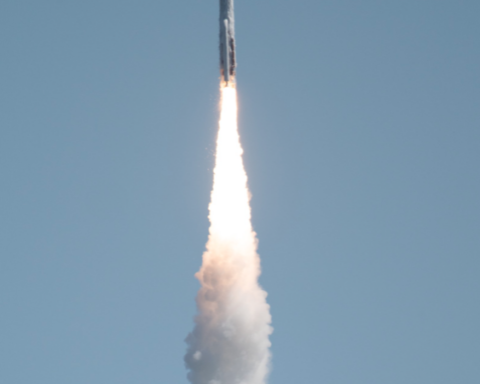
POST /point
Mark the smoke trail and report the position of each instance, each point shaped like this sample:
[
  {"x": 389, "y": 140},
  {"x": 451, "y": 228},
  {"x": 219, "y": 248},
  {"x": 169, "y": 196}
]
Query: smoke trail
[{"x": 229, "y": 344}]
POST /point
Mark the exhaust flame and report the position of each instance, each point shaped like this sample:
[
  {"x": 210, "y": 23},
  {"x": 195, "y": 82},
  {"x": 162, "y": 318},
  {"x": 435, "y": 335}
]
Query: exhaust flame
[{"x": 229, "y": 344}]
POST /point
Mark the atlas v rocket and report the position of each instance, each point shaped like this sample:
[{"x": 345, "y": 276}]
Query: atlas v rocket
[{"x": 227, "y": 41}]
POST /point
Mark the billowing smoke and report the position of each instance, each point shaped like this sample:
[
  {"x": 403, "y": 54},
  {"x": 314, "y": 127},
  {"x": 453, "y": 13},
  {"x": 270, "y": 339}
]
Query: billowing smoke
[{"x": 230, "y": 344}]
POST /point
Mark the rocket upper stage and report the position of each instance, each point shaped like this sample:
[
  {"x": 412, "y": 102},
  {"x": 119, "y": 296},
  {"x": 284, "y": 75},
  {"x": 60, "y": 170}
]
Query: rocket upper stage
[{"x": 227, "y": 41}]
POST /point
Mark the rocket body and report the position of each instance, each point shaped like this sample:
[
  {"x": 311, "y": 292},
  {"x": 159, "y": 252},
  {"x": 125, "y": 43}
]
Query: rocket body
[{"x": 227, "y": 41}]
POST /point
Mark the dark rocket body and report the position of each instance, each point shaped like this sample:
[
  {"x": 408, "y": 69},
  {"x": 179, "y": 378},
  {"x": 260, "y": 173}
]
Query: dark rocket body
[{"x": 227, "y": 41}]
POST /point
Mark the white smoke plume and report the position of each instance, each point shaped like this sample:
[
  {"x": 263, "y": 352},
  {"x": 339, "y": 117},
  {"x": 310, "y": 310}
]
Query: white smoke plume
[{"x": 230, "y": 342}]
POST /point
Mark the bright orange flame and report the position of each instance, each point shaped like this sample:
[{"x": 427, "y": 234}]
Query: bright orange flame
[
  {"x": 230, "y": 341},
  {"x": 229, "y": 207}
]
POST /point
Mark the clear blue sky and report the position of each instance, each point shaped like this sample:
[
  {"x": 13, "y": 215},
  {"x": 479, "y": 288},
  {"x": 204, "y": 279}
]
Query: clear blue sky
[{"x": 361, "y": 127}]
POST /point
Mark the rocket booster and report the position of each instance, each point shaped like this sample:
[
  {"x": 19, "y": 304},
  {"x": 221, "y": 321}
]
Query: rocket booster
[{"x": 227, "y": 41}]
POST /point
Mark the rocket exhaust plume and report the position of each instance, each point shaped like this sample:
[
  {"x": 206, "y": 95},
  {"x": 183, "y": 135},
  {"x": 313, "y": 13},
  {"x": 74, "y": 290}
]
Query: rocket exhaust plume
[{"x": 229, "y": 344}]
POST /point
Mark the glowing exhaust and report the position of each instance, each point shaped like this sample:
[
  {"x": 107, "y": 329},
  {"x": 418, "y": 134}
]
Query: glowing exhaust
[{"x": 229, "y": 344}]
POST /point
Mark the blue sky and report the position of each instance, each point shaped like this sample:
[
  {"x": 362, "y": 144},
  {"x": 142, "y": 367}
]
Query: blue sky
[{"x": 360, "y": 122}]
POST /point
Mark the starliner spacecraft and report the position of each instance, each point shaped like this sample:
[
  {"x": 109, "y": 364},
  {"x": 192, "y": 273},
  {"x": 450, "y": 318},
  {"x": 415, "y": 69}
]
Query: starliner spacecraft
[{"x": 227, "y": 41}]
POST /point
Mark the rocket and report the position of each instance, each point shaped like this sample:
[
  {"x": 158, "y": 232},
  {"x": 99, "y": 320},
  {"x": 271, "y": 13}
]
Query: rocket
[{"x": 227, "y": 41}]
